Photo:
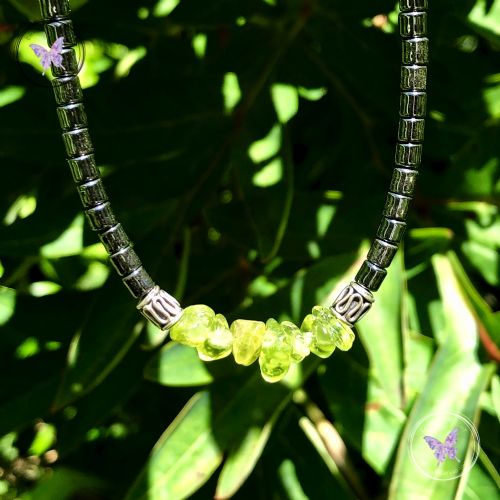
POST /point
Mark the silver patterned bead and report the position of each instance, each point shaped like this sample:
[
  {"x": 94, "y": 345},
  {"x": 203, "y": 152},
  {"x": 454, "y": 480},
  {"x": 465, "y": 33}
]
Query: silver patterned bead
[
  {"x": 352, "y": 303},
  {"x": 160, "y": 308}
]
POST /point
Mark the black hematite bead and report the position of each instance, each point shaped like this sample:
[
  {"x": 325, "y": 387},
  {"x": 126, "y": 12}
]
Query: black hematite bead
[
  {"x": 411, "y": 5},
  {"x": 382, "y": 252},
  {"x": 67, "y": 90},
  {"x": 92, "y": 193},
  {"x": 370, "y": 276},
  {"x": 125, "y": 261},
  {"x": 396, "y": 206},
  {"x": 391, "y": 230},
  {"x": 411, "y": 130},
  {"x": 62, "y": 28},
  {"x": 403, "y": 181},
  {"x": 101, "y": 217},
  {"x": 139, "y": 282},
  {"x": 52, "y": 9},
  {"x": 413, "y": 104},
  {"x": 114, "y": 239},
  {"x": 72, "y": 116},
  {"x": 83, "y": 168}
]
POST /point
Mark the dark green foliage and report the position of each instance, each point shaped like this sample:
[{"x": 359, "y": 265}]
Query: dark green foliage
[{"x": 256, "y": 198}]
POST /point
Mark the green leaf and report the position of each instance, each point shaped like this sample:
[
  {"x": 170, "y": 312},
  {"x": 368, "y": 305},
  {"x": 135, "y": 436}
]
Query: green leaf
[
  {"x": 45, "y": 438},
  {"x": 242, "y": 458},
  {"x": 495, "y": 394},
  {"x": 104, "y": 338},
  {"x": 192, "y": 447},
  {"x": 285, "y": 100},
  {"x": 454, "y": 384},
  {"x": 177, "y": 365}
]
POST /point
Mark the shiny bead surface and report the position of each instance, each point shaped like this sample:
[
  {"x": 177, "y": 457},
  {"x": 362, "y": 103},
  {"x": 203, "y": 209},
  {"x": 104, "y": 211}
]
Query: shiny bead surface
[
  {"x": 370, "y": 276},
  {"x": 139, "y": 282},
  {"x": 193, "y": 326},
  {"x": 247, "y": 340},
  {"x": 92, "y": 193},
  {"x": 409, "y": 5},
  {"x": 125, "y": 261},
  {"x": 77, "y": 142},
  {"x": 62, "y": 28},
  {"x": 114, "y": 239},
  {"x": 382, "y": 252},
  {"x": 413, "y": 104},
  {"x": 413, "y": 24},
  {"x": 411, "y": 130},
  {"x": 83, "y": 168},
  {"x": 159, "y": 307},
  {"x": 415, "y": 51},
  {"x": 67, "y": 90},
  {"x": 55, "y": 8},
  {"x": 72, "y": 116},
  {"x": 403, "y": 181},
  {"x": 353, "y": 302},
  {"x": 69, "y": 64},
  {"x": 408, "y": 155},
  {"x": 101, "y": 217},
  {"x": 396, "y": 206},
  {"x": 219, "y": 341},
  {"x": 413, "y": 77},
  {"x": 276, "y": 353},
  {"x": 391, "y": 230}
]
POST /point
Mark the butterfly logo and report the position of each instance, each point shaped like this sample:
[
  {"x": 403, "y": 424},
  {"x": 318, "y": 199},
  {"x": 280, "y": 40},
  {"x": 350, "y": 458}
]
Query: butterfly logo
[
  {"x": 49, "y": 56},
  {"x": 442, "y": 450}
]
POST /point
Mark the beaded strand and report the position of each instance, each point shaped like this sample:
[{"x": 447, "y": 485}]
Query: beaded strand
[{"x": 275, "y": 345}]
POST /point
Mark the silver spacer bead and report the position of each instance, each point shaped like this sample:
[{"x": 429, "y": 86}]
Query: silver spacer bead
[
  {"x": 160, "y": 308},
  {"x": 352, "y": 303}
]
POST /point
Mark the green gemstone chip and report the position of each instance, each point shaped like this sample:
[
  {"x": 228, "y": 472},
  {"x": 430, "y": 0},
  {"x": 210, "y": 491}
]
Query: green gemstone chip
[
  {"x": 275, "y": 356},
  {"x": 193, "y": 326},
  {"x": 219, "y": 341},
  {"x": 247, "y": 340}
]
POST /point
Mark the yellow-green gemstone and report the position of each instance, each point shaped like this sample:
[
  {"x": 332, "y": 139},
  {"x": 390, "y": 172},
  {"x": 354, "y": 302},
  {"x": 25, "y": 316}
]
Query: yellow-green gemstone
[
  {"x": 300, "y": 341},
  {"x": 323, "y": 333},
  {"x": 219, "y": 341},
  {"x": 247, "y": 340},
  {"x": 193, "y": 327},
  {"x": 275, "y": 356},
  {"x": 344, "y": 336}
]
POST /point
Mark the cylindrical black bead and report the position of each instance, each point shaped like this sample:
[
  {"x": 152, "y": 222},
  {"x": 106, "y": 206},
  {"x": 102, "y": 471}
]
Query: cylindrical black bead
[
  {"x": 411, "y": 130},
  {"x": 92, "y": 193},
  {"x": 115, "y": 239},
  {"x": 413, "y": 77},
  {"x": 139, "y": 282},
  {"x": 415, "y": 51},
  {"x": 409, "y": 5},
  {"x": 408, "y": 155},
  {"x": 396, "y": 206},
  {"x": 83, "y": 168},
  {"x": 78, "y": 142},
  {"x": 381, "y": 253},
  {"x": 412, "y": 24},
  {"x": 52, "y": 9},
  {"x": 63, "y": 28},
  {"x": 125, "y": 261},
  {"x": 72, "y": 116},
  {"x": 391, "y": 230},
  {"x": 413, "y": 104},
  {"x": 69, "y": 64},
  {"x": 370, "y": 276},
  {"x": 403, "y": 181},
  {"x": 101, "y": 217},
  {"x": 67, "y": 90}
]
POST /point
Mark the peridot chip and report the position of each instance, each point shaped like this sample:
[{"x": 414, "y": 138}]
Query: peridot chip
[
  {"x": 219, "y": 341},
  {"x": 193, "y": 326},
  {"x": 275, "y": 356},
  {"x": 247, "y": 340}
]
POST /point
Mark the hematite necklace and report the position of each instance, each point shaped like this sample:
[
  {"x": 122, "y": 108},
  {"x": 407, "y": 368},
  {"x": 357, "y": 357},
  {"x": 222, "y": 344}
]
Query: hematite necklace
[{"x": 275, "y": 345}]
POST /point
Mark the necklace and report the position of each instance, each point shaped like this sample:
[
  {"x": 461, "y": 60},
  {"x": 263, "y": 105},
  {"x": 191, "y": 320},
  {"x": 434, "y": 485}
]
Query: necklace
[{"x": 276, "y": 345}]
